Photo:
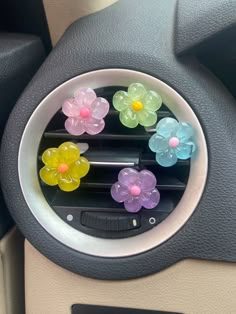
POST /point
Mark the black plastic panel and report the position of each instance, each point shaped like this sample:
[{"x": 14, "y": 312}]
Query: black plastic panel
[
  {"x": 20, "y": 57},
  {"x": 94, "y": 309},
  {"x": 144, "y": 42},
  {"x": 6, "y": 222},
  {"x": 27, "y": 17}
]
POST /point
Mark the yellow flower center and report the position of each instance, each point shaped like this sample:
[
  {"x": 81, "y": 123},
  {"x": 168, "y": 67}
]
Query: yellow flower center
[
  {"x": 137, "y": 105},
  {"x": 62, "y": 168}
]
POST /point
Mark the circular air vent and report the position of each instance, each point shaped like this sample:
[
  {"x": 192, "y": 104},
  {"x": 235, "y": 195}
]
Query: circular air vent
[{"x": 88, "y": 220}]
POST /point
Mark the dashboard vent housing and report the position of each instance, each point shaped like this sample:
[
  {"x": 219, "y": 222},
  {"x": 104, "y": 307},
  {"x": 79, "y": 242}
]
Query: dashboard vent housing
[
  {"x": 91, "y": 209},
  {"x": 88, "y": 220}
]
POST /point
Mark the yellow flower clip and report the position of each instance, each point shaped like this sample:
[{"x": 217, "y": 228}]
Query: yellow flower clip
[{"x": 64, "y": 166}]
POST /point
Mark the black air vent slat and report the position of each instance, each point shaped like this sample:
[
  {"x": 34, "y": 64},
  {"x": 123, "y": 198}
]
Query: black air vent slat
[
  {"x": 165, "y": 183},
  {"x": 148, "y": 159},
  {"x": 123, "y": 158},
  {"x": 62, "y": 134},
  {"x": 114, "y": 158},
  {"x": 161, "y": 113},
  {"x": 102, "y": 202},
  {"x": 105, "y": 181},
  {"x": 113, "y": 112}
]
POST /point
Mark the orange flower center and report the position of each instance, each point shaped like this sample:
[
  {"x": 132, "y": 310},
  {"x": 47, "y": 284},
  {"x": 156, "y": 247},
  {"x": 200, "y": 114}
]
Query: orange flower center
[
  {"x": 62, "y": 168},
  {"x": 137, "y": 105}
]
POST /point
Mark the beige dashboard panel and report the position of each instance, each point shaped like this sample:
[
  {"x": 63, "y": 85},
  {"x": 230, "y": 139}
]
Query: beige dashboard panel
[
  {"x": 11, "y": 273},
  {"x": 61, "y": 13},
  {"x": 190, "y": 287}
]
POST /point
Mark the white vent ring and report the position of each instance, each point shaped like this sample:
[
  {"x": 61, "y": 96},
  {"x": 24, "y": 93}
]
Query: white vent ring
[{"x": 59, "y": 229}]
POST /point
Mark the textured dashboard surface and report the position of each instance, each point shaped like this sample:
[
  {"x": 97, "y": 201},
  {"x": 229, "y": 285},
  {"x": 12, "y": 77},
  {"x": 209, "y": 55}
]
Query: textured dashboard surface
[
  {"x": 113, "y": 38},
  {"x": 199, "y": 21}
]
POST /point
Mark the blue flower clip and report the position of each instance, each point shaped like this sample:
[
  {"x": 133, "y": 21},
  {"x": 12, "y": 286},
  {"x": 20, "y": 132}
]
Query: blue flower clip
[{"x": 173, "y": 140}]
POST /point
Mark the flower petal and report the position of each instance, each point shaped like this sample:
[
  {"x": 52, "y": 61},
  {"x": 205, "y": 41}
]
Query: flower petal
[
  {"x": 70, "y": 108},
  {"x": 74, "y": 126},
  {"x": 185, "y": 132},
  {"x": 133, "y": 205},
  {"x": 50, "y": 157},
  {"x": 67, "y": 183},
  {"x": 85, "y": 96},
  {"x": 129, "y": 118},
  {"x": 128, "y": 177},
  {"x": 100, "y": 108},
  {"x": 136, "y": 91},
  {"x": 119, "y": 192},
  {"x": 166, "y": 159},
  {"x": 121, "y": 100},
  {"x": 152, "y": 101},
  {"x": 167, "y": 127},
  {"x": 79, "y": 169},
  {"x": 185, "y": 150},
  {"x": 94, "y": 126},
  {"x": 49, "y": 176},
  {"x": 68, "y": 152},
  {"x": 150, "y": 199},
  {"x": 148, "y": 180},
  {"x": 158, "y": 143},
  {"x": 146, "y": 117}
]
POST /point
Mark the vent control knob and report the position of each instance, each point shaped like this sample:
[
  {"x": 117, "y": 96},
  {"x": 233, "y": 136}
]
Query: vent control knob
[{"x": 110, "y": 221}]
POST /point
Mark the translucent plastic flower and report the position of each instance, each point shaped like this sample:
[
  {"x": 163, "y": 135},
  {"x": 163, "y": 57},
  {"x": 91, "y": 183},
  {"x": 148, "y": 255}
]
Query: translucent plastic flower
[
  {"x": 137, "y": 106},
  {"x": 64, "y": 166},
  {"x": 171, "y": 141},
  {"x": 85, "y": 112},
  {"x": 136, "y": 190}
]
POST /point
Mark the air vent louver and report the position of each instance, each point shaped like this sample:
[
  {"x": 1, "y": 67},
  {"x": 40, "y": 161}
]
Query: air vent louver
[{"x": 91, "y": 209}]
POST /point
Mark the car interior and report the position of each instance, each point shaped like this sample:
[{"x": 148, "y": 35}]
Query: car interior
[{"x": 117, "y": 161}]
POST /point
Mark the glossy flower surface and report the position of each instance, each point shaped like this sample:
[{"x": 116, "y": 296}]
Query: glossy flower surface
[
  {"x": 137, "y": 106},
  {"x": 136, "y": 190},
  {"x": 85, "y": 112},
  {"x": 64, "y": 166},
  {"x": 173, "y": 140}
]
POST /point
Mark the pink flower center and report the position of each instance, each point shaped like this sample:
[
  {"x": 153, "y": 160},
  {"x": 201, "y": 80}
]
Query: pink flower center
[
  {"x": 135, "y": 190},
  {"x": 174, "y": 142},
  {"x": 84, "y": 113}
]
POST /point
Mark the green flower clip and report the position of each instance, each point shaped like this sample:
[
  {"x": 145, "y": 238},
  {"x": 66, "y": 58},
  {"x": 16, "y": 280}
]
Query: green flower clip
[{"x": 137, "y": 106}]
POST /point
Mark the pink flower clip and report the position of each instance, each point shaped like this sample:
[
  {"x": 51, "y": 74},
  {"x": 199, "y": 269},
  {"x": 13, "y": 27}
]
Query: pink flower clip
[{"x": 85, "y": 112}]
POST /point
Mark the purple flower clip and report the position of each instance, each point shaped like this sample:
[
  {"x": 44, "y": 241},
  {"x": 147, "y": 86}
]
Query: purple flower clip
[{"x": 136, "y": 190}]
